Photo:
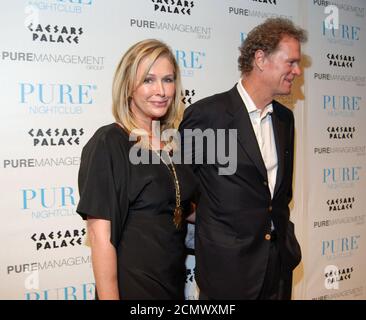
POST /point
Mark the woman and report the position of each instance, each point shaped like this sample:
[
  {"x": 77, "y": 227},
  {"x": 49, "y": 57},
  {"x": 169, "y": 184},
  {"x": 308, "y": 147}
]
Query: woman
[{"x": 135, "y": 212}]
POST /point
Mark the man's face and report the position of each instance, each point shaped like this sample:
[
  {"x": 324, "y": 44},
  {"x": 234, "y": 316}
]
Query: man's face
[{"x": 282, "y": 66}]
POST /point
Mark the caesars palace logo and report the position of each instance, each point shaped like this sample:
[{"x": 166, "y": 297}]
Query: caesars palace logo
[
  {"x": 274, "y": 2},
  {"x": 341, "y": 133},
  {"x": 340, "y": 60},
  {"x": 340, "y": 204},
  {"x": 336, "y": 275},
  {"x": 190, "y": 275},
  {"x": 183, "y": 7},
  {"x": 58, "y": 239},
  {"x": 187, "y": 97},
  {"x": 55, "y": 33},
  {"x": 56, "y": 137}
]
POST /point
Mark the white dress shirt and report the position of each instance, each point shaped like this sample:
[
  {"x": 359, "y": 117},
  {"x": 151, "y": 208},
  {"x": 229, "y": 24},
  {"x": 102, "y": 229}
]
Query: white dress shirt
[{"x": 263, "y": 129}]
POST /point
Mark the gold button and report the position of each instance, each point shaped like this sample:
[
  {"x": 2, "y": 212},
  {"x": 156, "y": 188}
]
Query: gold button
[
  {"x": 267, "y": 236},
  {"x": 265, "y": 183},
  {"x": 270, "y": 208}
]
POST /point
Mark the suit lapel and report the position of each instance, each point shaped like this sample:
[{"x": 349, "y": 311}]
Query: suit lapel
[
  {"x": 239, "y": 119},
  {"x": 279, "y": 135}
]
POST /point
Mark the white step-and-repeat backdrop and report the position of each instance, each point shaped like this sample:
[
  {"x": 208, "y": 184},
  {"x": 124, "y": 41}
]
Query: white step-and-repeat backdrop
[{"x": 57, "y": 59}]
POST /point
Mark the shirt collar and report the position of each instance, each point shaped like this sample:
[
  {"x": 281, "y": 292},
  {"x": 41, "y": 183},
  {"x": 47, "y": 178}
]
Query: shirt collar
[{"x": 248, "y": 102}]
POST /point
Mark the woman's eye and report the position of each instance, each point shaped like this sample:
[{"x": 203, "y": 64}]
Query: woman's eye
[
  {"x": 148, "y": 80},
  {"x": 169, "y": 80}
]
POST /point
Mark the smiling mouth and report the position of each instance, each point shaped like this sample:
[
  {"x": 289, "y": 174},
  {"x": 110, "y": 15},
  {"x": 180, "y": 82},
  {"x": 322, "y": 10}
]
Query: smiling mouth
[
  {"x": 159, "y": 103},
  {"x": 289, "y": 81}
]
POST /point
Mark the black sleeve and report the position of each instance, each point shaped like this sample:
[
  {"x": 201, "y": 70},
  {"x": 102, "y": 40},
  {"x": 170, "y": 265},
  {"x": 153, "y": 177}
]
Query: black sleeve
[
  {"x": 194, "y": 123},
  {"x": 102, "y": 193}
]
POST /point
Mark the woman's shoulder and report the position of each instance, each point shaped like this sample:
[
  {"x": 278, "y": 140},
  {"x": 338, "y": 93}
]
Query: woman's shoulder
[
  {"x": 108, "y": 137},
  {"x": 109, "y": 133}
]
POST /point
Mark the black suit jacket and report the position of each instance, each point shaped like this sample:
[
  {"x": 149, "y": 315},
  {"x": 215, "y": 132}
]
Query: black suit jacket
[{"x": 234, "y": 212}]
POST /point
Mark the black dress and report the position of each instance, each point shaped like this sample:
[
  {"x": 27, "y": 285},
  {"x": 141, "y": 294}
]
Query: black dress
[{"x": 139, "y": 200}]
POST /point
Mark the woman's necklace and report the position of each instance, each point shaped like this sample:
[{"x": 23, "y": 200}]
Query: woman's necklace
[{"x": 178, "y": 212}]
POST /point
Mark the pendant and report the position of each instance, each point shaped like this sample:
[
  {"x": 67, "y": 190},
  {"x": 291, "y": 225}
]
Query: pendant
[{"x": 178, "y": 217}]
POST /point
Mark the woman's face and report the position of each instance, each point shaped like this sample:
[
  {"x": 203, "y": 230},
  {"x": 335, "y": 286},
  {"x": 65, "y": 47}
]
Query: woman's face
[{"x": 152, "y": 99}]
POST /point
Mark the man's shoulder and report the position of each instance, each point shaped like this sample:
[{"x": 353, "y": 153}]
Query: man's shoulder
[
  {"x": 213, "y": 103},
  {"x": 281, "y": 110}
]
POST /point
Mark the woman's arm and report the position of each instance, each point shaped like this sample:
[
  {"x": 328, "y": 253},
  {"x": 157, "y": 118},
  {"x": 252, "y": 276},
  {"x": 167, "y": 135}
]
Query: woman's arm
[{"x": 104, "y": 259}]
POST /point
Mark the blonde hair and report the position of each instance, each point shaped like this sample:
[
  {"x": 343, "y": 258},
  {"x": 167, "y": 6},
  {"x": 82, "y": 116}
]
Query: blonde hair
[{"x": 125, "y": 81}]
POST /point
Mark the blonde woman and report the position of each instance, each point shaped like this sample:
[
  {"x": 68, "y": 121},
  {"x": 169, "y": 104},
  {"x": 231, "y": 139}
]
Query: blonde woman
[{"x": 136, "y": 212}]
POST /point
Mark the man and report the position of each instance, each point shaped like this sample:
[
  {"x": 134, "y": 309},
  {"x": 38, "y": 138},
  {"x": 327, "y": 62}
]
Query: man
[{"x": 245, "y": 243}]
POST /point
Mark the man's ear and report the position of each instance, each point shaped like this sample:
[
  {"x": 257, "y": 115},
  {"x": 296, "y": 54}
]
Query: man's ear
[{"x": 259, "y": 59}]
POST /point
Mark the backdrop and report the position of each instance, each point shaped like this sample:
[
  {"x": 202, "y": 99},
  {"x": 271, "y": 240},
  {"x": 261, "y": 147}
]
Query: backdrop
[{"x": 56, "y": 67}]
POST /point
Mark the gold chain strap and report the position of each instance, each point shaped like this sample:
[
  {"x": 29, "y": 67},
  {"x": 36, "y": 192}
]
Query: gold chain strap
[{"x": 178, "y": 212}]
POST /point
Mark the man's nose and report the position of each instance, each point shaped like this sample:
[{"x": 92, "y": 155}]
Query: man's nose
[{"x": 296, "y": 70}]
